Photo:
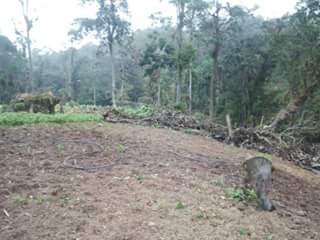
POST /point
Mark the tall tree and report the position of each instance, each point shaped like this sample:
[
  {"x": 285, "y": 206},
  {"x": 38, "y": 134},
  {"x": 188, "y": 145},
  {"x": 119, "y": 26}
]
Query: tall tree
[
  {"x": 297, "y": 47},
  {"x": 110, "y": 28},
  {"x": 193, "y": 13},
  {"x": 25, "y": 38},
  {"x": 157, "y": 56},
  {"x": 69, "y": 65},
  {"x": 216, "y": 28},
  {"x": 181, "y": 12},
  {"x": 11, "y": 73}
]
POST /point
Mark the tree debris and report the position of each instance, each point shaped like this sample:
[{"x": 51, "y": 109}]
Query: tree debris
[
  {"x": 301, "y": 146},
  {"x": 6, "y": 213}
]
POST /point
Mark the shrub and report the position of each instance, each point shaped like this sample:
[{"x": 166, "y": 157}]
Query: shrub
[
  {"x": 241, "y": 194},
  {"x": 140, "y": 112},
  {"x": 180, "y": 205},
  {"x": 180, "y": 107}
]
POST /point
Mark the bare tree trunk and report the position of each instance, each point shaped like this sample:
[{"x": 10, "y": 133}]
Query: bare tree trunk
[
  {"x": 181, "y": 15},
  {"x": 215, "y": 79},
  {"x": 121, "y": 90},
  {"x": 212, "y": 96},
  {"x": 191, "y": 63},
  {"x": 94, "y": 96},
  {"x": 113, "y": 77},
  {"x": 28, "y": 24},
  {"x": 294, "y": 105},
  {"x": 178, "y": 86},
  {"x": 30, "y": 63},
  {"x": 121, "y": 94},
  {"x": 159, "y": 89},
  {"x": 68, "y": 68},
  {"x": 190, "y": 87},
  {"x": 70, "y": 75}
]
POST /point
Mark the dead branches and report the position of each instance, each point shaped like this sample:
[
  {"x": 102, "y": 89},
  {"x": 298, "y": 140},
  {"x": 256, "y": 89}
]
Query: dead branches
[{"x": 301, "y": 146}]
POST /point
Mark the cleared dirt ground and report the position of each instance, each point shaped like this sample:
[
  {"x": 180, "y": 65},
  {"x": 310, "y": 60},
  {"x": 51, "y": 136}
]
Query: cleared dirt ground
[{"x": 135, "y": 178}]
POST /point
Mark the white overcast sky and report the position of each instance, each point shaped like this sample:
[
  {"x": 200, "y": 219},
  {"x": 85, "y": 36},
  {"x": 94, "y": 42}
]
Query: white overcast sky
[{"x": 55, "y": 16}]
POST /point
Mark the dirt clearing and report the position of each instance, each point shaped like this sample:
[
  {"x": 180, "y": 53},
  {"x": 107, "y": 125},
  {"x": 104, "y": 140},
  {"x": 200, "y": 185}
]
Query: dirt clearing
[{"x": 140, "y": 183}]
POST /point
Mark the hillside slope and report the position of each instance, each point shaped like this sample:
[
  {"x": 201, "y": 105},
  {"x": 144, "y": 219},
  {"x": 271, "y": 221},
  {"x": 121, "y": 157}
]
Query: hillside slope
[{"x": 135, "y": 182}]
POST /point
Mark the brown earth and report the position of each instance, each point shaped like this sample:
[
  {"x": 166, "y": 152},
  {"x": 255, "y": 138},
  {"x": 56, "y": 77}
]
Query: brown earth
[{"x": 134, "y": 179}]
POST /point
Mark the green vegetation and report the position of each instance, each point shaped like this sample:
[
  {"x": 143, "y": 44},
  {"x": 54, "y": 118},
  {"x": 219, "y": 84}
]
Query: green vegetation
[
  {"x": 270, "y": 237},
  {"x": 60, "y": 148},
  {"x": 121, "y": 148},
  {"x": 38, "y": 102},
  {"x": 5, "y": 108},
  {"x": 24, "y": 200},
  {"x": 189, "y": 131},
  {"x": 20, "y": 200},
  {"x": 201, "y": 215},
  {"x": 219, "y": 182},
  {"x": 252, "y": 68},
  {"x": 143, "y": 111},
  {"x": 64, "y": 200},
  {"x": 180, "y": 205},
  {"x": 140, "y": 179},
  {"x": 15, "y": 119},
  {"x": 244, "y": 232},
  {"x": 241, "y": 194},
  {"x": 74, "y": 107}
]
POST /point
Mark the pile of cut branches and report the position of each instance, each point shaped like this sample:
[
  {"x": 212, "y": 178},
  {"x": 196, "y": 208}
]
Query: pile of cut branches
[
  {"x": 163, "y": 118},
  {"x": 301, "y": 146}
]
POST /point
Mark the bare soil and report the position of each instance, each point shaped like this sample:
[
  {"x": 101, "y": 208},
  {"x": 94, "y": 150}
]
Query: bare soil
[{"x": 128, "y": 184}]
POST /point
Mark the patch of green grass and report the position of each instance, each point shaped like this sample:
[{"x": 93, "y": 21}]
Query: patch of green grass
[
  {"x": 244, "y": 232},
  {"x": 241, "y": 195},
  {"x": 64, "y": 200},
  {"x": 5, "y": 108},
  {"x": 41, "y": 200},
  {"x": 270, "y": 237},
  {"x": 265, "y": 155},
  {"x": 121, "y": 148},
  {"x": 73, "y": 107},
  {"x": 219, "y": 182},
  {"x": 60, "y": 147},
  {"x": 201, "y": 215},
  {"x": 140, "y": 179},
  {"x": 188, "y": 131},
  {"x": 24, "y": 200},
  {"x": 180, "y": 205},
  {"x": 20, "y": 200},
  {"x": 23, "y": 118}
]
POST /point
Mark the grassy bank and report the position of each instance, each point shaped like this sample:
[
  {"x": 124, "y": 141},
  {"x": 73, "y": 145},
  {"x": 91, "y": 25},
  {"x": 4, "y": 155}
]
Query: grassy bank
[{"x": 15, "y": 119}]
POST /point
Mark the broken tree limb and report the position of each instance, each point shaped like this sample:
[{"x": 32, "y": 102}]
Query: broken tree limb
[{"x": 294, "y": 105}]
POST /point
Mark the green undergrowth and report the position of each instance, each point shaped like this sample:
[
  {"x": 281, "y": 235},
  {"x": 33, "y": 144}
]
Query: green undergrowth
[
  {"x": 241, "y": 194},
  {"x": 143, "y": 111},
  {"x": 22, "y": 118}
]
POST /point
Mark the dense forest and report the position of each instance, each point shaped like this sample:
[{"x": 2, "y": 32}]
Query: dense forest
[{"x": 213, "y": 59}]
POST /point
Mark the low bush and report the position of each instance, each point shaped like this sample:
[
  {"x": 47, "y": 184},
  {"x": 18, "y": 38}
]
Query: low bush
[
  {"x": 241, "y": 194},
  {"x": 140, "y": 112}
]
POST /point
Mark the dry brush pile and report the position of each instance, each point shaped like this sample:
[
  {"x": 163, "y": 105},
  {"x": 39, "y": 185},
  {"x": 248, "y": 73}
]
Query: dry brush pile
[{"x": 299, "y": 145}]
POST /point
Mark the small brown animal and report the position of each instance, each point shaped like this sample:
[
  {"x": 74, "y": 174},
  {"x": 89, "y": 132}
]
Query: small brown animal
[{"x": 258, "y": 176}]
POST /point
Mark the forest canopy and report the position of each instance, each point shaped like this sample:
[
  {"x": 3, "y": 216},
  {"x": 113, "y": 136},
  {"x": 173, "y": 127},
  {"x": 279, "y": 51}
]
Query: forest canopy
[{"x": 214, "y": 59}]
